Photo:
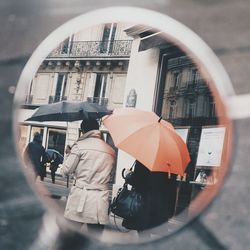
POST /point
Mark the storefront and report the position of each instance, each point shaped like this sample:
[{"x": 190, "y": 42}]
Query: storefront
[
  {"x": 168, "y": 82},
  {"x": 54, "y": 135}
]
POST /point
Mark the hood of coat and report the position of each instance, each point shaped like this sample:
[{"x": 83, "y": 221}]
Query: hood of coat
[
  {"x": 91, "y": 134},
  {"x": 91, "y": 144}
]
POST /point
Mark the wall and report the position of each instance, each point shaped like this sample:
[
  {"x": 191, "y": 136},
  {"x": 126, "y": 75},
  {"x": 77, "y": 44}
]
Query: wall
[
  {"x": 142, "y": 76},
  {"x": 42, "y": 87},
  {"x": 95, "y": 33}
]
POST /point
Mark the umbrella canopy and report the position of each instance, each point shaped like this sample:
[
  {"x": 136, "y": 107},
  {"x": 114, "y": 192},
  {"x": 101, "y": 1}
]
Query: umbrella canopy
[
  {"x": 50, "y": 153},
  {"x": 68, "y": 111},
  {"x": 149, "y": 139}
]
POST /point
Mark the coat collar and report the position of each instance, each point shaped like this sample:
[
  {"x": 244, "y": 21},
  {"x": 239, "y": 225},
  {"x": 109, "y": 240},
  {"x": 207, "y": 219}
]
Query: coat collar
[{"x": 91, "y": 134}]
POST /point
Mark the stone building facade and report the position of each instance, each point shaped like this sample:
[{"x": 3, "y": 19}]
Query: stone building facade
[{"x": 90, "y": 65}]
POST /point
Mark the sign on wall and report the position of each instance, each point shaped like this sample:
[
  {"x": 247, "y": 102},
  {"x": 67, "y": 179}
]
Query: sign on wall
[{"x": 211, "y": 147}]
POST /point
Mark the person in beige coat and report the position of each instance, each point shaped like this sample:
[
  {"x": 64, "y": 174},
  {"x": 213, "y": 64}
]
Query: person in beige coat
[{"x": 91, "y": 161}]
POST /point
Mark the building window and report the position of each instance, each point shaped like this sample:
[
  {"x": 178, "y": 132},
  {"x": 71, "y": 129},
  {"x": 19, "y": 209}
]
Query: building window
[
  {"x": 60, "y": 87},
  {"x": 172, "y": 109},
  {"x": 100, "y": 86},
  {"x": 66, "y": 45},
  {"x": 108, "y": 38},
  {"x": 176, "y": 79},
  {"x": 34, "y": 130},
  {"x": 191, "y": 108},
  {"x": 29, "y": 97},
  {"x": 211, "y": 108},
  {"x": 194, "y": 75}
]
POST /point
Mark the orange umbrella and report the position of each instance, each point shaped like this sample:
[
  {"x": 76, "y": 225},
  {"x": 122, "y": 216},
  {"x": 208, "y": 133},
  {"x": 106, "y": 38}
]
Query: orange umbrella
[{"x": 149, "y": 139}]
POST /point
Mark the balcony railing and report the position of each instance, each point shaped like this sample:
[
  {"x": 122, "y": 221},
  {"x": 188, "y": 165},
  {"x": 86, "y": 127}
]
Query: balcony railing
[
  {"x": 179, "y": 62},
  {"x": 116, "y": 48},
  {"x": 190, "y": 87},
  {"x": 57, "y": 98},
  {"x": 100, "y": 100}
]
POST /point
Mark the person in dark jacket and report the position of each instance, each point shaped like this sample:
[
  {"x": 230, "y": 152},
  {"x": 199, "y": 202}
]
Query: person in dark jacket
[
  {"x": 54, "y": 164},
  {"x": 155, "y": 188},
  {"x": 35, "y": 157}
]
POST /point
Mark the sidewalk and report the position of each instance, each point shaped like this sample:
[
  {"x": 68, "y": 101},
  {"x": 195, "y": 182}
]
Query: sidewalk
[{"x": 59, "y": 193}]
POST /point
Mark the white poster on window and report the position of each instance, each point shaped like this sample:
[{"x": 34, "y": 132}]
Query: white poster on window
[
  {"x": 211, "y": 147},
  {"x": 183, "y": 133}
]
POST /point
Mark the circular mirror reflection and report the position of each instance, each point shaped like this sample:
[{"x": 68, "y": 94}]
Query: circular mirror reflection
[{"x": 79, "y": 138}]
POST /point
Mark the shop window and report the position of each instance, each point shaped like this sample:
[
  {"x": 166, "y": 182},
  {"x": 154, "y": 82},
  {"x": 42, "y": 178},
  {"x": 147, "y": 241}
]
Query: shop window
[
  {"x": 56, "y": 139},
  {"x": 40, "y": 130}
]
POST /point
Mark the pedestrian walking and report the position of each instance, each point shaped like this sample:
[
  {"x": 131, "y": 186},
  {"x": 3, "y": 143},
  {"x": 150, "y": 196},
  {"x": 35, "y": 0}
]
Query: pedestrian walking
[
  {"x": 35, "y": 157},
  {"x": 91, "y": 161},
  {"x": 160, "y": 152},
  {"x": 54, "y": 164},
  {"x": 155, "y": 190}
]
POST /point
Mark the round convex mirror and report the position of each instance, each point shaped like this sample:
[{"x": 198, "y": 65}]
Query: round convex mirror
[{"x": 112, "y": 88}]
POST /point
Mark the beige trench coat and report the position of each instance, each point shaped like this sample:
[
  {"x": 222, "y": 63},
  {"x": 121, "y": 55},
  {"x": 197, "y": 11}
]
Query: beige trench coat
[{"x": 91, "y": 161}]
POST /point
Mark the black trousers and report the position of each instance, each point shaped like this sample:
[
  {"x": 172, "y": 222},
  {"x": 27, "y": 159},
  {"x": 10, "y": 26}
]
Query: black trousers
[{"x": 53, "y": 175}]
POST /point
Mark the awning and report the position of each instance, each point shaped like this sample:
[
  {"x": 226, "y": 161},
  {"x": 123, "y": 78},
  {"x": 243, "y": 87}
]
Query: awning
[
  {"x": 24, "y": 114},
  {"x": 156, "y": 40}
]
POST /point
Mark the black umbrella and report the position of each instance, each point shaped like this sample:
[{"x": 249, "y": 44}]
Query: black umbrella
[
  {"x": 69, "y": 111},
  {"x": 50, "y": 153}
]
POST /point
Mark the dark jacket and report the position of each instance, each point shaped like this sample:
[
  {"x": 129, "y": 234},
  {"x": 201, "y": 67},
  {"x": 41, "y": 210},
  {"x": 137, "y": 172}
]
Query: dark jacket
[
  {"x": 155, "y": 187},
  {"x": 35, "y": 157},
  {"x": 54, "y": 163}
]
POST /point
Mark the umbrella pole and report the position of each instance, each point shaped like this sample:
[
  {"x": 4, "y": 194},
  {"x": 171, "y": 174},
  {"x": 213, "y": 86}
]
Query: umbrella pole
[{"x": 177, "y": 197}]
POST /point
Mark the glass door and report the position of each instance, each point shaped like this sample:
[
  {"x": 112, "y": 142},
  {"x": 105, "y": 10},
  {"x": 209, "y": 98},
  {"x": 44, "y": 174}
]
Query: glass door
[{"x": 56, "y": 139}]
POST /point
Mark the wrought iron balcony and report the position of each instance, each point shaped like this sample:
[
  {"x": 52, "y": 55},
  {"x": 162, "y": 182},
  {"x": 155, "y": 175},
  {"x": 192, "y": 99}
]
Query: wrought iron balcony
[
  {"x": 179, "y": 62},
  {"x": 78, "y": 49},
  {"x": 57, "y": 98},
  {"x": 189, "y": 87},
  {"x": 198, "y": 86},
  {"x": 100, "y": 100}
]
